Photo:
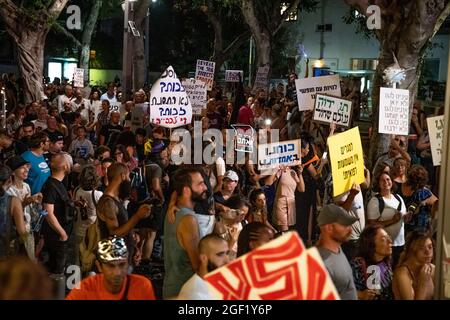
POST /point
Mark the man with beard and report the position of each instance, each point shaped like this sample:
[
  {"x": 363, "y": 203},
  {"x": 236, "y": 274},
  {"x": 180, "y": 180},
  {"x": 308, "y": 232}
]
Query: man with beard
[
  {"x": 112, "y": 214},
  {"x": 182, "y": 237},
  {"x": 397, "y": 149},
  {"x": 213, "y": 253},
  {"x": 113, "y": 283},
  {"x": 335, "y": 229}
]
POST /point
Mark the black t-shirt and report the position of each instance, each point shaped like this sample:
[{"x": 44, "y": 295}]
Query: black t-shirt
[
  {"x": 68, "y": 117},
  {"x": 54, "y": 192},
  {"x": 111, "y": 134}
]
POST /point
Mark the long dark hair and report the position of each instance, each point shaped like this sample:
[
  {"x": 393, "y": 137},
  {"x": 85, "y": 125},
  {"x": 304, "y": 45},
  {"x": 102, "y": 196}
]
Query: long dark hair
[
  {"x": 245, "y": 236},
  {"x": 367, "y": 243},
  {"x": 411, "y": 240}
]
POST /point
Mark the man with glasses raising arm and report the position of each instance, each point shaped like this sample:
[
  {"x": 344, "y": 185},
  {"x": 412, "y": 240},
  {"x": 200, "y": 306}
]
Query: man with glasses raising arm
[{"x": 397, "y": 149}]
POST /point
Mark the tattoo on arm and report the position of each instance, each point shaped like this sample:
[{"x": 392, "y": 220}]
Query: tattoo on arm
[{"x": 107, "y": 209}]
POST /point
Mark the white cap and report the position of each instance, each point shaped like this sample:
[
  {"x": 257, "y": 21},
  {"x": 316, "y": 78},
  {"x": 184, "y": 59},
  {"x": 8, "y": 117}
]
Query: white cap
[{"x": 230, "y": 174}]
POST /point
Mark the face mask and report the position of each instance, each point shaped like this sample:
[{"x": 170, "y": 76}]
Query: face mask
[{"x": 125, "y": 189}]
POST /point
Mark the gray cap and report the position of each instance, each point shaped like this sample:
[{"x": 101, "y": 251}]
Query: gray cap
[{"x": 334, "y": 214}]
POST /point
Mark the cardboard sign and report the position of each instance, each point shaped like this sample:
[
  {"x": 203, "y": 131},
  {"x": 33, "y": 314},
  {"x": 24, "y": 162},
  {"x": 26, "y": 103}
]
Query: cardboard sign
[
  {"x": 78, "y": 78},
  {"x": 307, "y": 89},
  {"x": 347, "y": 160},
  {"x": 394, "y": 111},
  {"x": 332, "y": 109},
  {"x": 244, "y": 137},
  {"x": 436, "y": 133},
  {"x": 170, "y": 106},
  {"x": 205, "y": 72},
  {"x": 281, "y": 269},
  {"x": 196, "y": 91},
  {"x": 272, "y": 155},
  {"x": 261, "y": 79},
  {"x": 234, "y": 75}
]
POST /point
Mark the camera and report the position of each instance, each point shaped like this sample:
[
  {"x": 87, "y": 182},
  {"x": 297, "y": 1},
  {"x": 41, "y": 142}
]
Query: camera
[{"x": 413, "y": 208}]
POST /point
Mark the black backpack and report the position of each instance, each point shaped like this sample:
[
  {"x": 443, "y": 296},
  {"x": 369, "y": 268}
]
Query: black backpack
[{"x": 381, "y": 203}]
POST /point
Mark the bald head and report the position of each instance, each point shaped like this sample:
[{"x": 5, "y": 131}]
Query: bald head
[
  {"x": 116, "y": 170},
  {"x": 207, "y": 243},
  {"x": 59, "y": 163}
]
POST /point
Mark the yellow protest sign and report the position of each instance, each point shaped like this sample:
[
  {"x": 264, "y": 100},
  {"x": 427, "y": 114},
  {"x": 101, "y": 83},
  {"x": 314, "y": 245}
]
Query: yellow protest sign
[{"x": 347, "y": 160}]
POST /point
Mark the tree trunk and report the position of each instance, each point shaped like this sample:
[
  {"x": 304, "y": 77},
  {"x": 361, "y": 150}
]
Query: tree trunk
[
  {"x": 139, "y": 66},
  {"x": 30, "y": 52},
  {"x": 86, "y": 38}
]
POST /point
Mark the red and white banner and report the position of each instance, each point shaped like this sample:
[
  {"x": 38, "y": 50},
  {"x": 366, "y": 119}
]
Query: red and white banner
[{"x": 280, "y": 270}]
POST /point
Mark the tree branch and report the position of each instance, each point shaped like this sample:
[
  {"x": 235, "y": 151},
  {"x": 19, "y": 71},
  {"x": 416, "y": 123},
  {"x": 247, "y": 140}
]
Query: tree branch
[
  {"x": 443, "y": 16},
  {"x": 285, "y": 15},
  {"x": 56, "y": 7},
  {"x": 90, "y": 23},
  {"x": 9, "y": 14},
  {"x": 248, "y": 11},
  {"x": 236, "y": 44},
  {"x": 63, "y": 31},
  {"x": 360, "y": 5}
]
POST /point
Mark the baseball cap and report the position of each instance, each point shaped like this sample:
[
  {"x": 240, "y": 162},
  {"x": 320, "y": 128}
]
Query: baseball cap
[
  {"x": 334, "y": 214},
  {"x": 16, "y": 162},
  {"x": 55, "y": 137},
  {"x": 230, "y": 174}
]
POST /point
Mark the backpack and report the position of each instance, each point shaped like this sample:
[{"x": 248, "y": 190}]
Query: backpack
[
  {"x": 381, "y": 203},
  {"x": 89, "y": 244}
]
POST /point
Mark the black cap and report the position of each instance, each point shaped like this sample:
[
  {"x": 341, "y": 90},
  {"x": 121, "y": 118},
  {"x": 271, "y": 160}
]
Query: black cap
[
  {"x": 55, "y": 136},
  {"x": 16, "y": 162}
]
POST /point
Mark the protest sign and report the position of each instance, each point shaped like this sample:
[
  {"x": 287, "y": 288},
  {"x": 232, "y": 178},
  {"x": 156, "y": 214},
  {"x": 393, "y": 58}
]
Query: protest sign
[
  {"x": 234, "y": 76},
  {"x": 170, "y": 106},
  {"x": 205, "y": 72},
  {"x": 281, "y": 269},
  {"x": 78, "y": 78},
  {"x": 196, "y": 91},
  {"x": 332, "y": 109},
  {"x": 394, "y": 111},
  {"x": 243, "y": 137},
  {"x": 261, "y": 79},
  {"x": 307, "y": 89},
  {"x": 436, "y": 133},
  {"x": 272, "y": 155},
  {"x": 347, "y": 160}
]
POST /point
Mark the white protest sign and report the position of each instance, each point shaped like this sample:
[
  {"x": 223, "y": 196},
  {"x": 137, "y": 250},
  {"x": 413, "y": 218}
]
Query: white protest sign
[
  {"x": 436, "y": 133},
  {"x": 272, "y": 155},
  {"x": 261, "y": 79},
  {"x": 196, "y": 91},
  {"x": 170, "y": 106},
  {"x": 244, "y": 137},
  {"x": 78, "y": 78},
  {"x": 307, "y": 89},
  {"x": 205, "y": 72},
  {"x": 394, "y": 111},
  {"x": 332, "y": 109},
  {"x": 234, "y": 75}
]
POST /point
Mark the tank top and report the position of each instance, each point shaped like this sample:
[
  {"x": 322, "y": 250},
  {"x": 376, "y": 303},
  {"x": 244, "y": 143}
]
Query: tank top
[{"x": 176, "y": 260}]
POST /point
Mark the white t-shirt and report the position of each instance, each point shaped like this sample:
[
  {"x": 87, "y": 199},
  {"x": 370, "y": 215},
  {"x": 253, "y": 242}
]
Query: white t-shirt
[
  {"x": 194, "y": 289},
  {"x": 85, "y": 112},
  {"x": 112, "y": 100},
  {"x": 82, "y": 225},
  {"x": 357, "y": 209},
  {"x": 22, "y": 194},
  {"x": 40, "y": 124},
  {"x": 396, "y": 231}
]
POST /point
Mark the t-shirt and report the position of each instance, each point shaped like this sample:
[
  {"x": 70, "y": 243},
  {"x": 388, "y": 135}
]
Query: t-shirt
[
  {"x": 39, "y": 171},
  {"x": 54, "y": 192},
  {"x": 357, "y": 210},
  {"x": 363, "y": 275},
  {"x": 195, "y": 289},
  {"x": 40, "y": 125},
  {"x": 22, "y": 194},
  {"x": 93, "y": 288},
  {"x": 245, "y": 115},
  {"x": 340, "y": 272},
  {"x": 397, "y": 230},
  {"x": 112, "y": 100},
  {"x": 81, "y": 148},
  {"x": 80, "y": 193},
  {"x": 111, "y": 133}
]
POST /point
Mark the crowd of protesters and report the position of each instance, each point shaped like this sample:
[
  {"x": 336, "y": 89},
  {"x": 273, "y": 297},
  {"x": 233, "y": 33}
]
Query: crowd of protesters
[{"x": 73, "y": 172}]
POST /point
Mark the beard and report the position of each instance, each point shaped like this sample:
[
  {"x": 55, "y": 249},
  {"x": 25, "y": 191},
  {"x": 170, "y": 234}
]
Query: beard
[
  {"x": 199, "y": 197},
  {"x": 211, "y": 266},
  {"x": 125, "y": 189}
]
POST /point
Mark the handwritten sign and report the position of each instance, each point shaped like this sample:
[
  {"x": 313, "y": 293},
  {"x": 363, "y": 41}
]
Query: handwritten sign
[
  {"x": 394, "y": 111},
  {"x": 78, "y": 78},
  {"x": 332, "y": 109},
  {"x": 205, "y": 72},
  {"x": 281, "y": 269},
  {"x": 170, "y": 106},
  {"x": 234, "y": 75},
  {"x": 243, "y": 137},
  {"x": 436, "y": 132},
  {"x": 261, "y": 79},
  {"x": 307, "y": 89},
  {"x": 196, "y": 91},
  {"x": 272, "y": 155},
  {"x": 347, "y": 160}
]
